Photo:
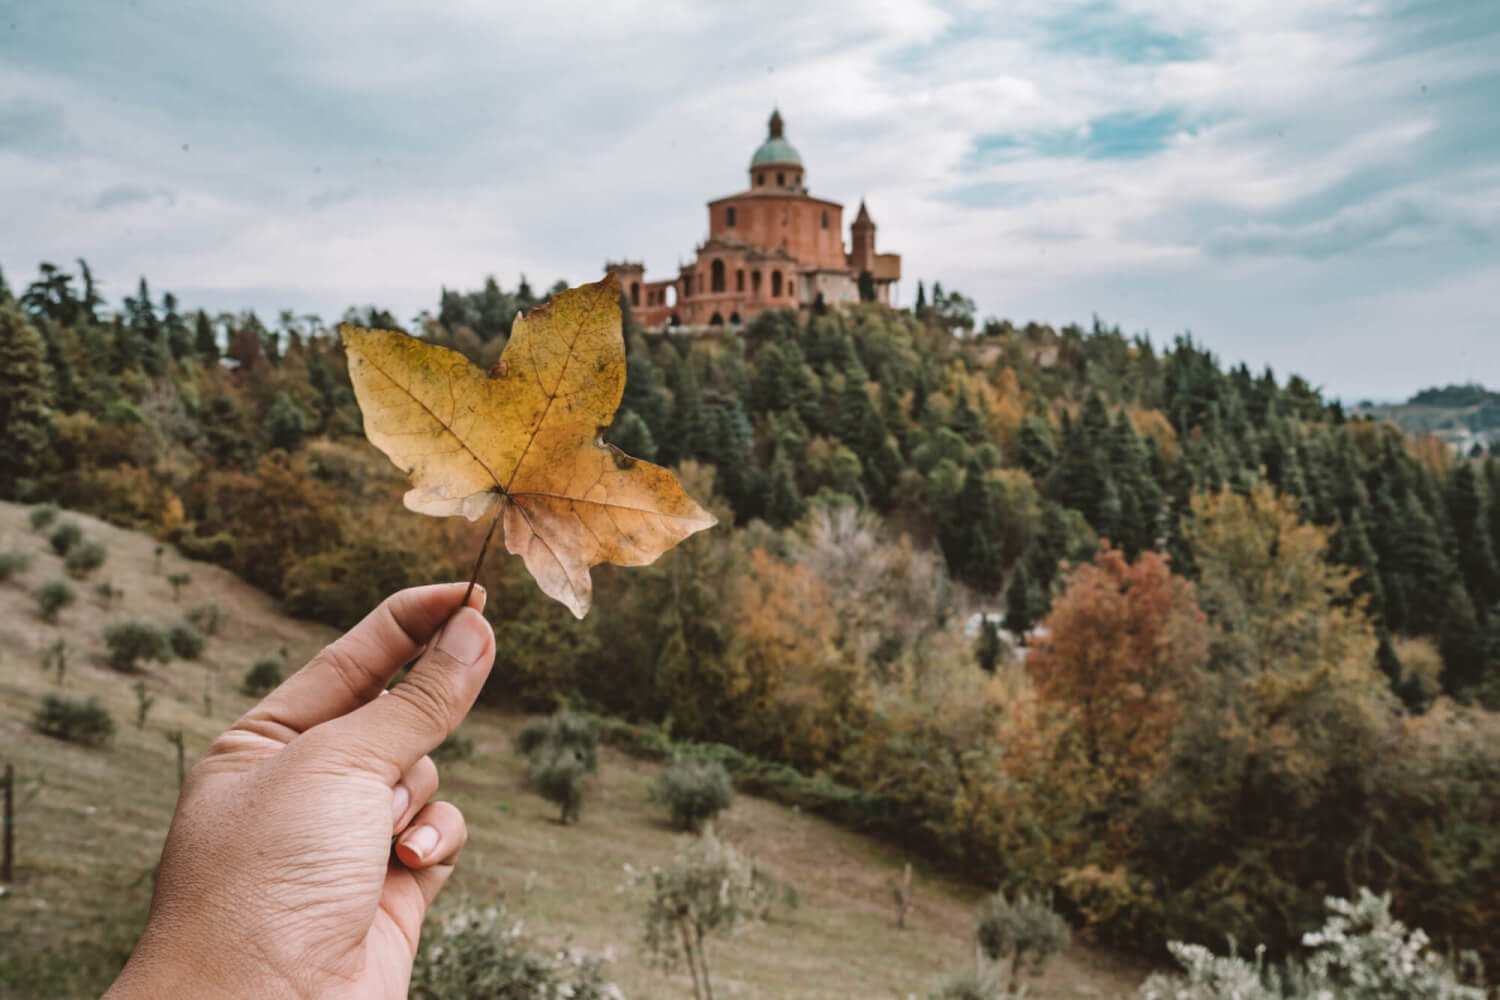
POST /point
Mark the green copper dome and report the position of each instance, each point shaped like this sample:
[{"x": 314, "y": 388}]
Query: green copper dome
[{"x": 775, "y": 149}]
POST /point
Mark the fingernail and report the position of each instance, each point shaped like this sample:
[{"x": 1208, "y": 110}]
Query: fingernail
[
  {"x": 400, "y": 799},
  {"x": 483, "y": 595},
  {"x": 420, "y": 841},
  {"x": 465, "y": 637}
]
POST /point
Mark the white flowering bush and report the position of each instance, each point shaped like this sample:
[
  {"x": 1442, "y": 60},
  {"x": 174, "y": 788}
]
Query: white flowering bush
[
  {"x": 481, "y": 953},
  {"x": 1360, "y": 953}
]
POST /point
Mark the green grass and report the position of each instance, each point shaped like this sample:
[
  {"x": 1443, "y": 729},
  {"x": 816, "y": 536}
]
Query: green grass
[{"x": 92, "y": 821}]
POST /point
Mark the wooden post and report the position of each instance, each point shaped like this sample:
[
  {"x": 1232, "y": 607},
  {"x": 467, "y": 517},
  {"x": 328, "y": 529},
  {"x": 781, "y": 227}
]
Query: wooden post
[{"x": 8, "y": 868}]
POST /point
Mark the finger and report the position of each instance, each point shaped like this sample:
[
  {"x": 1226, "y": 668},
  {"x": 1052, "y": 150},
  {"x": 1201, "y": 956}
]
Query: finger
[
  {"x": 406, "y": 899},
  {"x": 412, "y": 792},
  {"x": 389, "y": 735},
  {"x": 359, "y": 664},
  {"x": 433, "y": 839}
]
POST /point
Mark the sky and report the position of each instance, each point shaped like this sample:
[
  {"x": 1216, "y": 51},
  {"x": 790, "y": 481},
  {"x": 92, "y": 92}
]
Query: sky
[{"x": 1307, "y": 185}]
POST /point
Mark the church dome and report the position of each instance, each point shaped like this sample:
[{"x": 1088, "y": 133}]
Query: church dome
[{"x": 776, "y": 149}]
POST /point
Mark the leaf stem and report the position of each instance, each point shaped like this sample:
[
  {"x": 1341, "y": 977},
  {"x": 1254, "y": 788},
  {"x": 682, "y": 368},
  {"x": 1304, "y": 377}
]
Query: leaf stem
[{"x": 478, "y": 564}]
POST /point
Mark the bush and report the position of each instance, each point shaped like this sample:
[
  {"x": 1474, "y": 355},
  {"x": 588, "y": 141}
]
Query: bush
[
  {"x": 107, "y": 592},
  {"x": 455, "y": 747},
  {"x": 65, "y": 536},
  {"x": 221, "y": 548},
  {"x": 43, "y": 515},
  {"x": 85, "y": 557},
  {"x": 178, "y": 581},
  {"x": 262, "y": 678},
  {"x": 131, "y": 642},
  {"x": 206, "y": 618},
  {"x": 12, "y": 563},
  {"x": 1360, "y": 953},
  {"x": 694, "y": 790},
  {"x": 973, "y": 986},
  {"x": 74, "y": 720},
  {"x": 51, "y": 597},
  {"x": 561, "y": 731},
  {"x": 1017, "y": 932},
  {"x": 480, "y": 954},
  {"x": 558, "y": 777},
  {"x": 186, "y": 641}
]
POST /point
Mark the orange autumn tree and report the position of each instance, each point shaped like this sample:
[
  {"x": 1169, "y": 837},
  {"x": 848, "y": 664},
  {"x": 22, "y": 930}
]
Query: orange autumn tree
[{"x": 1122, "y": 643}]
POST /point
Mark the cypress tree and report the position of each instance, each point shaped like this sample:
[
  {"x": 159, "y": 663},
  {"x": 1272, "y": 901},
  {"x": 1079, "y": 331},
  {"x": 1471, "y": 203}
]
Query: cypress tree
[
  {"x": 1022, "y": 603},
  {"x": 25, "y": 405},
  {"x": 784, "y": 505},
  {"x": 205, "y": 344},
  {"x": 921, "y": 306}
]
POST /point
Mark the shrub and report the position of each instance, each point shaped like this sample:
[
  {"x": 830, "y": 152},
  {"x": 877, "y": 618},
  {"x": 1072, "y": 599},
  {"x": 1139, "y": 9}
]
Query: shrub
[
  {"x": 107, "y": 592},
  {"x": 51, "y": 597},
  {"x": 12, "y": 563},
  {"x": 709, "y": 889},
  {"x": 178, "y": 581},
  {"x": 186, "y": 641},
  {"x": 1027, "y": 930},
  {"x": 562, "y": 730},
  {"x": 85, "y": 557},
  {"x": 455, "y": 747},
  {"x": 261, "y": 678},
  {"x": 973, "y": 985},
  {"x": 206, "y": 618},
  {"x": 480, "y": 954},
  {"x": 694, "y": 790},
  {"x": 221, "y": 548},
  {"x": 558, "y": 777},
  {"x": 65, "y": 536},
  {"x": 74, "y": 720},
  {"x": 144, "y": 699},
  {"x": 131, "y": 642},
  {"x": 43, "y": 515},
  {"x": 1360, "y": 953}
]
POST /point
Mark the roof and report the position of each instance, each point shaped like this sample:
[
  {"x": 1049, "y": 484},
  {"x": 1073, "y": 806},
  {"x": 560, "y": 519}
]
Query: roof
[
  {"x": 776, "y": 150},
  {"x": 863, "y": 218}
]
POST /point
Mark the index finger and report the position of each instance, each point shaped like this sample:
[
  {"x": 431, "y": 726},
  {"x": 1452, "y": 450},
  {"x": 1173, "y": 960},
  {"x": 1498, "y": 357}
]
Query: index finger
[{"x": 357, "y": 666}]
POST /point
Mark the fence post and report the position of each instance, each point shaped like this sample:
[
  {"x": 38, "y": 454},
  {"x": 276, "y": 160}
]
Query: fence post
[{"x": 8, "y": 868}]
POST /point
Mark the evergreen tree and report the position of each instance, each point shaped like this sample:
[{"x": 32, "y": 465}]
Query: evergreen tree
[
  {"x": 632, "y": 435},
  {"x": 1425, "y": 572},
  {"x": 1462, "y": 641},
  {"x": 921, "y": 306},
  {"x": 205, "y": 344},
  {"x": 179, "y": 342},
  {"x": 1023, "y": 604},
  {"x": 5, "y": 296},
  {"x": 987, "y": 649},
  {"x": 25, "y": 406},
  {"x": 1036, "y": 449},
  {"x": 88, "y": 306},
  {"x": 784, "y": 505},
  {"x": 1350, "y": 546},
  {"x": 1473, "y": 546}
]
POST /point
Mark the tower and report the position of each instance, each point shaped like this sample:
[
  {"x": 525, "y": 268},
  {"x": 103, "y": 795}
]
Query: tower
[{"x": 862, "y": 240}]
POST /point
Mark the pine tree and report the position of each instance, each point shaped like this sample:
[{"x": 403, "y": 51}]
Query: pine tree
[
  {"x": 205, "y": 344},
  {"x": 1022, "y": 602},
  {"x": 631, "y": 435},
  {"x": 921, "y": 306},
  {"x": 1461, "y": 640},
  {"x": 25, "y": 406},
  {"x": 784, "y": 505},
  {"x": 179, "y": 343},
  {"x": 1474, "y": 549},
  {"x": 1426, "y": 573},
  {"x": 987, "y": 649}
]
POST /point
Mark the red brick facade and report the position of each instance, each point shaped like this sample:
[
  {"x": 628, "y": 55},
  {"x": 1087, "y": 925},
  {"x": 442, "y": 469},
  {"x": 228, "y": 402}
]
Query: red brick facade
[{"x": 772, "y": 246}]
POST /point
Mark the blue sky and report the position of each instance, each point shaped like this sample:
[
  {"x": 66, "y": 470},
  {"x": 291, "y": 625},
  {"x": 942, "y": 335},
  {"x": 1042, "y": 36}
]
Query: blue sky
[{"x": 1314, "y": 186}]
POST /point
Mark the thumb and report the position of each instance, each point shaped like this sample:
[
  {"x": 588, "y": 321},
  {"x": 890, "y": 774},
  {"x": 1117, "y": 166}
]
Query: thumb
[{"x": 392, "y": 734}]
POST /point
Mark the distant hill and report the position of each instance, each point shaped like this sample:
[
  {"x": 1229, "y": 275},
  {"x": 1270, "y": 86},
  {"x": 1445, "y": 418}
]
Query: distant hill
[{"x": 1462, "y": 415}]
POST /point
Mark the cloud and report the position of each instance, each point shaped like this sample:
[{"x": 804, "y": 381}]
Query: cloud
[
  {"x": 1400, "y": 222},
  {"x": 123, "y": 195},
  {"x": 34, "y": 127}
]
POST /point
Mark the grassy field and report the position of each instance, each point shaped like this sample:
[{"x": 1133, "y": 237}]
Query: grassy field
[{"x": 90, "y": 821}]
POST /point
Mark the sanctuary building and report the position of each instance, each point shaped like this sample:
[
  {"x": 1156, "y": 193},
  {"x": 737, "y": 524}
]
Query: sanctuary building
[{"x": 771, "y": 246}]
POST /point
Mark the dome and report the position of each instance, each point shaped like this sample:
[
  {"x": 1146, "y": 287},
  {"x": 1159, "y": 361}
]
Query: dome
[{"x": 775, "y": 149}]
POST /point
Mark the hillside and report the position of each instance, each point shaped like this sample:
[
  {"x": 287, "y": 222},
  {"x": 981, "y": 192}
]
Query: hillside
[
  {"x": 1462, "y": 415},
  {"x": 90, "y": 822}
]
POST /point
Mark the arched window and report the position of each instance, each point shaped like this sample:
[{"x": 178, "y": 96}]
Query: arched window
[
  {"x": 687, "y": 288},
  {"x": 716, "y": 320},
  {"x": 780, "y": 179},
  {"x": 760, "y": 179},
  {"x": 667, "y": 296},
  {"x": 791, "y": 287},
  {"x": 755, "y": 282},
  {"x": 734, "y": 319},
  {"x": 775, "y": 284},
  {"x": 717, "y": 283},
  {"x": 739, "y": 280},
  {"x": 729, "y": 216},
  {"x": 635, "y": 293},
  {"x": 676, "y": 320},
  {"x": 825, "y": 218}
]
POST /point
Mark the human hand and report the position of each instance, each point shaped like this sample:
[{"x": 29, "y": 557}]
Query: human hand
[{"x": 277, "y": 879}]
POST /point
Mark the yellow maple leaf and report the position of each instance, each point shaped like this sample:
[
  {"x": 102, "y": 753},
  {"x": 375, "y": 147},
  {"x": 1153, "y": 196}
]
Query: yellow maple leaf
[{"x": 526, "y": 437}]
